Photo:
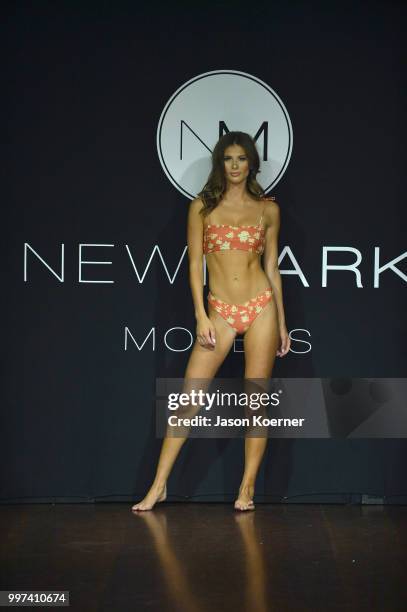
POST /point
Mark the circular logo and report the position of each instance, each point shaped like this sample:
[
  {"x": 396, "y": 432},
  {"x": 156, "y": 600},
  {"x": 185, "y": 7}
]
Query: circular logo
[{"x": 208, "y": 106}]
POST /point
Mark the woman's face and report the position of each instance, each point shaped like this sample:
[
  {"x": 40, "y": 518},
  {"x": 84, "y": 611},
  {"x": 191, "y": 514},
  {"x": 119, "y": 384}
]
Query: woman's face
[{"x": 236, "y": 164}]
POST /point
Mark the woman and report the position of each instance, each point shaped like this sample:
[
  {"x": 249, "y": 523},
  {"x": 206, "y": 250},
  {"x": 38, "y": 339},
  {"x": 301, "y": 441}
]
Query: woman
[{"x": 232, "y": 224}]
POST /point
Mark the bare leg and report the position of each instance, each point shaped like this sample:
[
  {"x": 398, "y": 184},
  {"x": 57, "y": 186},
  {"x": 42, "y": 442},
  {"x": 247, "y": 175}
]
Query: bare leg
[
  {"x": 203, "y": 363},
  {"x": 261, "y": 342}
]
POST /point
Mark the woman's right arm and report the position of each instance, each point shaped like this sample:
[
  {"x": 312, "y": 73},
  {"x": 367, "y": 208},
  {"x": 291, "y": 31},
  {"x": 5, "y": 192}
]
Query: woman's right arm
[{"x": 205, "y": 328}]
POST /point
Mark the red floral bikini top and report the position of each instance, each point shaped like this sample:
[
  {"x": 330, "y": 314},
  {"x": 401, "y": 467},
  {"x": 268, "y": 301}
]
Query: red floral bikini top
[{"x": 234, "y": 237}]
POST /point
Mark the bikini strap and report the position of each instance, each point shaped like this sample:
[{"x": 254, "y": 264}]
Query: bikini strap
[{"x": 262, "y": 214}]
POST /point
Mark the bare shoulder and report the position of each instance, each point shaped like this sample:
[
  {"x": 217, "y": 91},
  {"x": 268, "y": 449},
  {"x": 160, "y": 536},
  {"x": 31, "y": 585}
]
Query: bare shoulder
[
  {"x": 195, "y": 206},
  {"x": 271, "y": 210}
]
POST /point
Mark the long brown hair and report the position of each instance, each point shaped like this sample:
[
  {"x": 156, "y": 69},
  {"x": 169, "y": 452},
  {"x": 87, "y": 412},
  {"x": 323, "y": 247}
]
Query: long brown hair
[{"x": 215, "y": 185}]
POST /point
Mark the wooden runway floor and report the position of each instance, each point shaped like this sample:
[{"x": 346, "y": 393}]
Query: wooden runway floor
[{"x": 197, "y": 557}]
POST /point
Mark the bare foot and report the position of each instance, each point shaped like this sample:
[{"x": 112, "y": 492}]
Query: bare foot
[
  {"x": 155, "y": 494},
  {"x": 245, "y": 498}
]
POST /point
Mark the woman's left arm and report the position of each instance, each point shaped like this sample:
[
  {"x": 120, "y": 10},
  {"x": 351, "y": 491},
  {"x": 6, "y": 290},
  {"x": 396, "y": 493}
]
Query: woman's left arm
[{"x": 272, "y": 218}]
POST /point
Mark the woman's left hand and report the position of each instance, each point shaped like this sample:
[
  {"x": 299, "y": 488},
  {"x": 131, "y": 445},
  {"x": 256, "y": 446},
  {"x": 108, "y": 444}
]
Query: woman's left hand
[{"x": 285, "y": 342}]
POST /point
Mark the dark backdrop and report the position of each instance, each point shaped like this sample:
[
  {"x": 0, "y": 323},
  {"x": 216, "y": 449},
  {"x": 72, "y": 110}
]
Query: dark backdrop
[{"x": 84, "y": 86}]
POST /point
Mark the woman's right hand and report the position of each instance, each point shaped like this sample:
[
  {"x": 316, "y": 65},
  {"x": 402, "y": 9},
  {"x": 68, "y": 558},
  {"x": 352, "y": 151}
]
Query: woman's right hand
[{"x": 205, "y": 331}]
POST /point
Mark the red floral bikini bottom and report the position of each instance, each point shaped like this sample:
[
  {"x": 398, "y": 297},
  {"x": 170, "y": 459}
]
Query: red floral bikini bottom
[{"x": 241, "y": 316}]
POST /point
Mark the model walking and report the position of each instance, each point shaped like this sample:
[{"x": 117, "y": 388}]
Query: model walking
[{"x": 233, "y": 225}]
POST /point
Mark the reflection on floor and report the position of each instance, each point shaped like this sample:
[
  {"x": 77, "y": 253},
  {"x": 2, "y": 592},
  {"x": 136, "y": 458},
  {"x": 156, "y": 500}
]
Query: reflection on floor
[{"x": 207, "y": 557}]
